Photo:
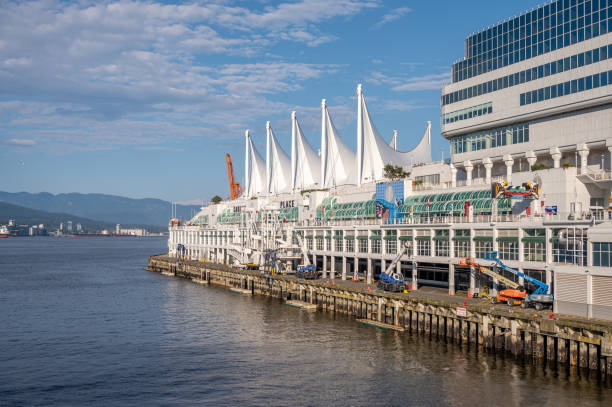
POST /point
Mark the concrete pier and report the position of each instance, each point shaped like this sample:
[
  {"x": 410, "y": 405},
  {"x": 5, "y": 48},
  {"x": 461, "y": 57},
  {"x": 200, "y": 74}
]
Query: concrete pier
[{"x": 557, "y": 340}]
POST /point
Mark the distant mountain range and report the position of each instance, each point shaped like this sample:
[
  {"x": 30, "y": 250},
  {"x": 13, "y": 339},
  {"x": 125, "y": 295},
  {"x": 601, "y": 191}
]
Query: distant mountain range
[
  {"x": 101, "y": 207},
  {"x": 51, "y": 220}
]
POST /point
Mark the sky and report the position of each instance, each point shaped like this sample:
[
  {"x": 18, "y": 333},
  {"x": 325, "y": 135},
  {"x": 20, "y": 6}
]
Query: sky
[{"x": 143, "y": 99}]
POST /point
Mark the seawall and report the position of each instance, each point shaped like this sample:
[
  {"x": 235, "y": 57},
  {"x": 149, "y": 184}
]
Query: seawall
[{"x": 575, "y": 343}]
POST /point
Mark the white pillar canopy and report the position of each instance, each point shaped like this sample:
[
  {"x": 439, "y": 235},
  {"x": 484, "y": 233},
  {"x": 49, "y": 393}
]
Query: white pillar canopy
[
  {"x": 469, "y": 167},
  {"x": 509, "y": 161},
  {"x": 453, "y": 176},
  {"x": 531, "y": 158},
  {"x": 556, "y": 156},
  {"x": 583, "y": 150},
  {"x": 488, "y": 166}
]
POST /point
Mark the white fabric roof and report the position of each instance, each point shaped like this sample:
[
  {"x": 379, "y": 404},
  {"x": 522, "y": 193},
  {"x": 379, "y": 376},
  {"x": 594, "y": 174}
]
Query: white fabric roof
[
  {"x": 373, "y": 152},
  {"x": 305, "y": 163},
  {"x": 278, "y": 165},
  {"x": 255, "y": 169},
  {"x": 337, "y": 160}
]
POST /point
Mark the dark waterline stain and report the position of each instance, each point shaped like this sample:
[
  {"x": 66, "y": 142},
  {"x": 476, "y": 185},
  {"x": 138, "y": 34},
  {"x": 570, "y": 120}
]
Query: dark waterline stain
[{"x": 83, "y": 324}]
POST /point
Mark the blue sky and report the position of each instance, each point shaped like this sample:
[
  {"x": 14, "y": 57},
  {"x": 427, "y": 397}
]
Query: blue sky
[{"x": 143, "y": 99}]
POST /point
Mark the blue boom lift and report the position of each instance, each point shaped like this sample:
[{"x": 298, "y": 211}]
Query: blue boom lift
[
  {"x": 393, "y": 281},
  {"x": 539, "y": 298}
]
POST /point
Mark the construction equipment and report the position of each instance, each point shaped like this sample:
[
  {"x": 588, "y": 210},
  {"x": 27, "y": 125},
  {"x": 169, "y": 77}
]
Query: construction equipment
[
  {"x": 306, "y": 270},
  {"x": 390, "y": 280},
  {"x": 235, "y": 188},
  {"x": 513, "y": 296}
]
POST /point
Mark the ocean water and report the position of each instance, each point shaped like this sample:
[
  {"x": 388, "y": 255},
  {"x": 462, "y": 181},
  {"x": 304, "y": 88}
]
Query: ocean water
[{"x": 82, "y": 323}]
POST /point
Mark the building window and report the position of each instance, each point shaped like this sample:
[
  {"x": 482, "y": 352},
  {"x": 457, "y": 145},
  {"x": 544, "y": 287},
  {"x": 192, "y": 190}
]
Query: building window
[
  {"x": 423, "y": 247},
  {"x": 491, "y": 138},
  {"x": 508, "y": 250},
  {"x": 328, "y": 244},
  {"x": 468, "y": 113},
  {"x": 602, "y": 254},
  {"x": 339, "y": 245},
  {"x": 442, "y": 248},
  {"x": 309, "y": 244},
  {"x": 566, "y": 88},
  {"x": 462, "y": 248},
  {"x": 534, "y": 251},
  {"x": 391, "y": 246},
  {"x": 319, "y": 243},
  {"x": 350, "y": 246},
  {"x": 375, "y": 245},
  {"x": 363, "y": 245},
  {"x": 483, "y": 248},
  {"x": 433, "y": 179}
]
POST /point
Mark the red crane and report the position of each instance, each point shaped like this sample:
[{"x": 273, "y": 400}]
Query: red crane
[{"x": 235, "y": 188}]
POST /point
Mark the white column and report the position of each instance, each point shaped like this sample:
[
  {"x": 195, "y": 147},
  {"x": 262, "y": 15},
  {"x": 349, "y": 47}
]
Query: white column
[
  {"x": 369, "y": 272},
  {"x": 453, "y": 176},
  {"x": 488, "y": 166},
  {"x": 556, "y": 156},
  {"x": 469, "y": 167},
  {"x": 359, "y": 135},
  {"x": 343, "y": 267},
  {"x": 332, "y": 274},
  {"x": 451, "y": 279},
  {"x": 583, "y": 150},
  {"x": 356, "y": 268},
  {"x": 324, "y": 266},
  {"x": 509, "y": 163}
]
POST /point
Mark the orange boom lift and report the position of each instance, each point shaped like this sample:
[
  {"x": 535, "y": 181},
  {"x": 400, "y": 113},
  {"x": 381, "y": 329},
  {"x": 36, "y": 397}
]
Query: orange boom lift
[{"x": 235, "y": 188}]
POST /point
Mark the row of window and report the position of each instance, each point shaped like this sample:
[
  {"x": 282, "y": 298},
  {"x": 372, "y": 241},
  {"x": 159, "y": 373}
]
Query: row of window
[
  {"x": 531, "y": 74},
  {"x": 491, "y": 138},
  {"x": 566, "y": 88},
  {"x": 468, "y": 113},
  {"x": 533, "y": 33}
]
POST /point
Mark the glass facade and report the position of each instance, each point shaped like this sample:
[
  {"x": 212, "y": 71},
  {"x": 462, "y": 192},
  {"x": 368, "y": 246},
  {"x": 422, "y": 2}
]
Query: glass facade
[
  {"x": 531, "y": 74},
  {"x": 547, "y": 28},
  {"x": 567, "y": 88},
  {"x": 483, "y": 248},
  {"x": 468, "y": 113},
  {"x": 491, "y": 138}
]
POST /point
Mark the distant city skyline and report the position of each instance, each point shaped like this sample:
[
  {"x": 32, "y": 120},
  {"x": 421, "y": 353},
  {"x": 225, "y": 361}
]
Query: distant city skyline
[{"x": 144, "y": 99}]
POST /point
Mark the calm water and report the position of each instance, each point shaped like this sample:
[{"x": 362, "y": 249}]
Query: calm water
[{"x": 82, "y": 323}]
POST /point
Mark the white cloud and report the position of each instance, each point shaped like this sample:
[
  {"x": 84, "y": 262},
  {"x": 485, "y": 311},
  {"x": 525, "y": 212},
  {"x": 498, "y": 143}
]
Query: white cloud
[
  {"x": 20, "y": 142},
  {"x": 137, "y": 73},
  {"x": 393, "y": 15},
  {"x": 426, "y": 82}
]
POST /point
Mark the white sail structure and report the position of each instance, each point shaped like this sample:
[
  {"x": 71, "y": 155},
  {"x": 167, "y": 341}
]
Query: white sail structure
[
  {"x": 254, "y": 169},
  {"x": 305, "y": 163},
  {"x": 337, "y": 160},
  {"x": 278, "y": 165},
  {"x": 373, "y": 152}
]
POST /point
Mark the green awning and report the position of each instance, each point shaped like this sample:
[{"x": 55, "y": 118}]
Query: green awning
[
  {"x": 390, "y": 237},
  {"x": 554, "y": 240},
  {"x": 508, "y": 239},
  {"x": 405, "y": 238},
  {"x": 423, "y": 238},
  {"x": 440, "y": 238},
  {"x": 540, "y": 239},
  {"x": 376, "y": 237},
  {"x": 362, "y": 237},
  {"x": 349, "y": 237},
  {"x": 483, "y": 238},
  {"x": 462, "y": 238},
  {"x": 318, "y": 237}
]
